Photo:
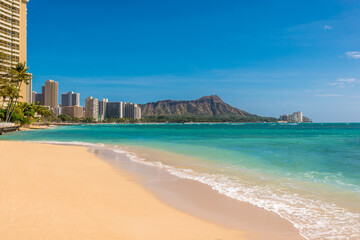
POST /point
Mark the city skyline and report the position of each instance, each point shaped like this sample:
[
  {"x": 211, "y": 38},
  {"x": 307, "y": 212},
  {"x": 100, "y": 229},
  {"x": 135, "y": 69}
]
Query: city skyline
[
  {"x": 72, "y": 98},
  {"x": 265, "y": 58},
  {"x": 69, "y": 104}
]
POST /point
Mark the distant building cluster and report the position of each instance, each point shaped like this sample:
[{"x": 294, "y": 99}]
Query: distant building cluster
[
  {"x": 94, "y": 109},
  {"x": 118, "y": 110},
  {"x": 295, "y": 117}
]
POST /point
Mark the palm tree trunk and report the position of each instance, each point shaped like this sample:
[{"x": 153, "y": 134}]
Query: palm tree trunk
[
  {"x": 17, "y": 98},
  {"x": 3, "y": 103},
  {"x": 11, "y": 100}
]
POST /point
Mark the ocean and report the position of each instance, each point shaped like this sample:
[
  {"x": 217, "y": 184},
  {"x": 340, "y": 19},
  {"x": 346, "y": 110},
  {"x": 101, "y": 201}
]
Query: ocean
[{"x": 307, "y": 173}]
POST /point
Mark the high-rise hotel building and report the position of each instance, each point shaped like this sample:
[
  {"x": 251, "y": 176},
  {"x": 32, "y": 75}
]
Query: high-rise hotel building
[
  {"x": 51, "y": 94},
  {"x": 92, "y": 108},
  {"x": 70, "y": 99},
  {"x": 13, "y": 37}
]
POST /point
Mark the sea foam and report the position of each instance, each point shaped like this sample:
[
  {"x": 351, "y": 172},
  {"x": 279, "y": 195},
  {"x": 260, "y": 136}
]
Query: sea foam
[{"x": 314, "y": 219}]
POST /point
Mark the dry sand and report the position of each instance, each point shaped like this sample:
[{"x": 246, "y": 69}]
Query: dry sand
[{"x": 61, "y": 192}]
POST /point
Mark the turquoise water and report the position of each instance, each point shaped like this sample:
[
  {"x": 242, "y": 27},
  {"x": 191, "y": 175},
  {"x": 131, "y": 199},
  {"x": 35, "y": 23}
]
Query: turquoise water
[{"x": 306, "y": 173}]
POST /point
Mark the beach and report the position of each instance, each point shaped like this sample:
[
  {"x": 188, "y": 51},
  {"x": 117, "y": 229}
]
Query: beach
[
  {"x": 65, "y": 192},
  {"x": 268, "y": 181}
]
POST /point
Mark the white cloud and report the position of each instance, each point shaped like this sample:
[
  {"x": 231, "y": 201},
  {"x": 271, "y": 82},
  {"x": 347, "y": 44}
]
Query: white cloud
[
  {"x": 347, "y": 80},
  {"x": 337, "y": 95},
  {"x": 353, "y": 55},
  {"x": 327, "y": 27},
  {"x": 337, "y": 84},
  {"x": 328, "y": 95},
  {"x": 343, "y": 82}
]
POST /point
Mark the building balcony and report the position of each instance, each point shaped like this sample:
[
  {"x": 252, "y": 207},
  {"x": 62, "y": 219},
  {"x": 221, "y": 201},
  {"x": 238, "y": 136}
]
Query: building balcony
[
  {"x": 9, "y": 26},
  {"x": 9, "y": 38},
  {"x": 14, "y": 33},
  {"x": 9, "y": 64},
  {"x": 14, "y": 47},
  {"x": 11, "y": 13},
  {"x": 9, "y": 51},
  {"x": 10, "y": 21},
  {"x": 12, "y": 2}
]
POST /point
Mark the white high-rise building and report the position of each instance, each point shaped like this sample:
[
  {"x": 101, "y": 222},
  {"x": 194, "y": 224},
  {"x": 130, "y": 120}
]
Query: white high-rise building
[
  {"x": 92, "y": 108},
  {"x": 102, "y": 108},
  {"x": 33, "y": 97},
  {"x": 132, "y": 111},
  {"x": 58, "y": 110},
  {"x": 299, "y": 116},
  {"x": 51, "y": 93},
  {"x": 296, "y": 117}
]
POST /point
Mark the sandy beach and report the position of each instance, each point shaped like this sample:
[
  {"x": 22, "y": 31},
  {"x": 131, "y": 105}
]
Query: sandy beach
[
  {"x": 61, "y": 192},
  {"x": 66, "y": 192}
]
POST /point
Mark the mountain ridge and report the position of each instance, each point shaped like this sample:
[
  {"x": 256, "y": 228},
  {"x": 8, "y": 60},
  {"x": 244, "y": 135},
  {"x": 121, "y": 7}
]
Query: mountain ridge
[{"x": 208, "y": 106}]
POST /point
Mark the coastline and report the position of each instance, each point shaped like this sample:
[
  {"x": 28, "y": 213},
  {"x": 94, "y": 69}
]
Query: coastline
[
  {"x": 216, "y": 216},
  {"x": 198, "y": 199},
  {"x": 57, "y": 192}
]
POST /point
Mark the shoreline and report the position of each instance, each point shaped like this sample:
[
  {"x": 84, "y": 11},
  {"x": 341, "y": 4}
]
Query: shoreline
[
  {"x": 197, "y": 199},
  {"x": 65, "y": 192},
  {"x": 318, "y": 208},
  {"x": 200, "y": 200}
]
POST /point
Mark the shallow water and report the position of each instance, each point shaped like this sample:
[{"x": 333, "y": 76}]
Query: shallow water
[{"x": 307, "y": 173}]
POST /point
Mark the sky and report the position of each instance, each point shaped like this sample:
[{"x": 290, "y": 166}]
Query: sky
[{"x": 264, "y": 57}]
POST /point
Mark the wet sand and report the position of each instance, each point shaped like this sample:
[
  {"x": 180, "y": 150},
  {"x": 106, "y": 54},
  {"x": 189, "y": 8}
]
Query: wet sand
[{"x": 199, "y": 199}]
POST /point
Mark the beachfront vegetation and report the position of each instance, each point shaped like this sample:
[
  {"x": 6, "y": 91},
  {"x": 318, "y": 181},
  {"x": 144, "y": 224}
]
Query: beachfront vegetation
[
  {"x": 120, "y": 120},
  {"x": 10, "y": 86},
  {"x": 183, "y": 119},
  {"x": 25, "y": 113},
  {"x": 67, "y": 119},
  {"x": 11, "y": 109},
  {"x": 168, "y": 119}
]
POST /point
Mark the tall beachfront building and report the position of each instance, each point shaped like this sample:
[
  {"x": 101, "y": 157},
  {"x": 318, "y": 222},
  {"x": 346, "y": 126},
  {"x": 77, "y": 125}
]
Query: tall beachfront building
[
  {"x": 73, "y": 111},
  {"x": 102, "y": 108},
  {"x": 114, "y": 110},
  {"x": 295, "y": 117},
  {"x": 51, "y": 94},
  {"x": 118, "y": 110},
  {"x": 70, "y": 99},
  {"x": 92, "y": 108},
  {"x": 132, "y": 111},
  {"x": 13, "y": 37}
]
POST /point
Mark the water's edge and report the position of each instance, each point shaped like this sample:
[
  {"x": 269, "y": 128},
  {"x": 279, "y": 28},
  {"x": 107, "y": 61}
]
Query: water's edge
[{"x": 157, "y": 176}]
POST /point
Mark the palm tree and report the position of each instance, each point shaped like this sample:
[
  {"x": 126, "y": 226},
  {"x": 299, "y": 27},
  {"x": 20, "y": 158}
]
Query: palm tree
[
  {"x": 3, "y": 87},
  {"x": 16, "y": 76},
  {"x": 7, "y": 90}
]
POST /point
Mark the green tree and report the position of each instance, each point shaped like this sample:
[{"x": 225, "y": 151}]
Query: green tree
[
  {"x": 64, "y": 118},
  {"x": 11, "y": 84},
  {"x": 24, "y": 113}
]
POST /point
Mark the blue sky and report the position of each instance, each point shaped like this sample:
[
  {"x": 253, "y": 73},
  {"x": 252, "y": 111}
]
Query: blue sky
[{"x": 265, "y": 57}]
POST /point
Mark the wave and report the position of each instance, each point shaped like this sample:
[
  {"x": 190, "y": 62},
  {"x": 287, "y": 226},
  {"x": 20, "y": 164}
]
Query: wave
[
  {"x": 73, "y": 143},
  {"x": 330, "y": 178},
  {"x": 313, "y": 218}
]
